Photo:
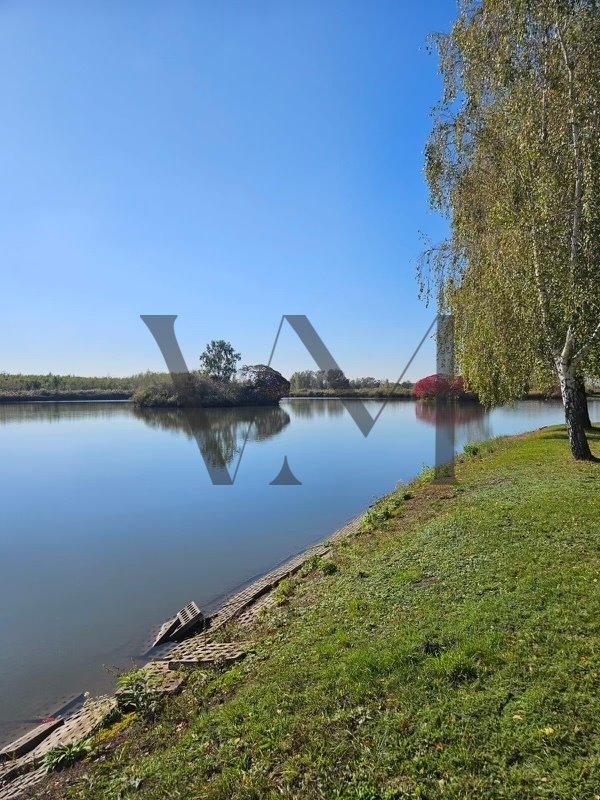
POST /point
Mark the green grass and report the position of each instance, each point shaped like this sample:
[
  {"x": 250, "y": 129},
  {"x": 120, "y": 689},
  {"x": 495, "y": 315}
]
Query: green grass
[{"x": 453, "y": 653}]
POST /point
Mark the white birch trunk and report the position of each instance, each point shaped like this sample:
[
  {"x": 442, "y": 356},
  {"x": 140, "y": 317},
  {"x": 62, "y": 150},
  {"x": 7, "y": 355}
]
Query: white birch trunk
[{"x": 569, "y": 389}]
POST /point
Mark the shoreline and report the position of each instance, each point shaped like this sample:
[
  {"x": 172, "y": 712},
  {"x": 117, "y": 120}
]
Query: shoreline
[
  {"x": 127, "y": 397},
  {"x": 91, "y": 396},
  {"x": 272, "y": 594},
  {"x": 87, "y": 715}
]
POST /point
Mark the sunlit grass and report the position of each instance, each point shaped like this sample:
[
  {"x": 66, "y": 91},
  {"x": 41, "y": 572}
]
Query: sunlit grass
[{"x": 454, "y": 652}]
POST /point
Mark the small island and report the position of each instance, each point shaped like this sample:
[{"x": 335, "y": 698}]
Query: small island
[{"x": 218, "y": 384}]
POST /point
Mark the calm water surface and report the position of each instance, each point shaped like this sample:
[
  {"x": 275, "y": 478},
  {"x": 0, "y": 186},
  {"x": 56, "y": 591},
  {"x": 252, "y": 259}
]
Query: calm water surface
[{"x": 109, "y": 521}]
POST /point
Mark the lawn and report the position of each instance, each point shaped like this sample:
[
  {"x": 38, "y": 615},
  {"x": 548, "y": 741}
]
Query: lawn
[{"x": 449, "y": 650}]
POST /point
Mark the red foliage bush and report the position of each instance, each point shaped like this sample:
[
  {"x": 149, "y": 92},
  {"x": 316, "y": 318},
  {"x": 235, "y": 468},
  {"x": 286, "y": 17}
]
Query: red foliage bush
[
  {"x": 439, "y": 385},
  {"x": 265, "y": 381}
]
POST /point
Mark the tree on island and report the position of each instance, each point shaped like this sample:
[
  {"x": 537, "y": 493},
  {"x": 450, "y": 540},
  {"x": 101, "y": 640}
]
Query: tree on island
[
  {"x": 513, "y": 160},
  {"x": 337, "y": 380},
  {"x": 219, "y": 361},
  {"x": 266, "y": 380},
  {"x": 308, "y": 379},
  {"x": 365, "y": 383}
]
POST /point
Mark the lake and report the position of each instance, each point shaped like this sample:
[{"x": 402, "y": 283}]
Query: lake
[{"x": 110, "y": 522}]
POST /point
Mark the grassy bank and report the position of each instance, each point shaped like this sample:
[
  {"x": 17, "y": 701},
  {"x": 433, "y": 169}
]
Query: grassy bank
[{"x": 451, "y": 649}]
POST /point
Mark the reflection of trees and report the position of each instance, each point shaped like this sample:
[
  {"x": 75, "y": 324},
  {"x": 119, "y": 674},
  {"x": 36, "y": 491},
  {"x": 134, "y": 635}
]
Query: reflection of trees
[
  {"x": 447, "y": 412},
  {"x": 471, "y": 418},
  {"x": 219, "y": 432},
  {"x": 334, "y": 408},
  {"x": 302, "y": 407},
  {"x": 49, "y": 411}
]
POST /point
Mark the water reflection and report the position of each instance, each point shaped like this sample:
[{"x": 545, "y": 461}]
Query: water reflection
[
  {"x": 55, "y": 412},
  {"x": 308, "y": 408},
  {"x": 107, "y": 530},
  {"x": 219, "y": 432},
  {"x": 472, "y": 418}
]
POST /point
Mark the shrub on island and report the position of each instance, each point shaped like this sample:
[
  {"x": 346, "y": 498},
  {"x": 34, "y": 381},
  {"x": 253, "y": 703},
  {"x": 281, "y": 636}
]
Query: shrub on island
[{"x": 258, "y": 385}]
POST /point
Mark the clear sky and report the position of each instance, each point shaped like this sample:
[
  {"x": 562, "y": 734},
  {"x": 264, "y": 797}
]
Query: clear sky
[{"x": 228, "y": 161}]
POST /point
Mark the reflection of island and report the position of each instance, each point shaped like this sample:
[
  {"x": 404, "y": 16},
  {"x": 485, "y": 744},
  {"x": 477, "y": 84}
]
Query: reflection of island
[
  {"x": 220, "y": 433},
  {"x": 471, "y": 419}
]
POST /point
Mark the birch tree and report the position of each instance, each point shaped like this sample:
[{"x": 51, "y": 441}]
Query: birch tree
[{"x": 513, "y": 160}]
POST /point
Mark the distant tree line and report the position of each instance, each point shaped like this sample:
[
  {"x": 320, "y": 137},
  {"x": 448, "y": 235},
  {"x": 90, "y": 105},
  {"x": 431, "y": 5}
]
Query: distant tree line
[
  {"x": 70, "y": 383},
  {"x": 21, "y": 388},
  {"x": 335, "y": 379}
]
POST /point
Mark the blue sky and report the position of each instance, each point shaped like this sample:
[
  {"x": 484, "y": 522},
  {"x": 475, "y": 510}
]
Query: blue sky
[{"x": 226, "y": 161}]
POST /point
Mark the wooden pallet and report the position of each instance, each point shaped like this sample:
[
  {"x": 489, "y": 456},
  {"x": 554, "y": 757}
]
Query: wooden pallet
[{"x": 199, "y": 651}]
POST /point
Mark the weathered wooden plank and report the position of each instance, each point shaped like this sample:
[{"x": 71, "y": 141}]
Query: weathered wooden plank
[
  {"x": 76, "y": 727},
  {"x": 21, "y": 784},
  {"x": 30, "y": 739}
]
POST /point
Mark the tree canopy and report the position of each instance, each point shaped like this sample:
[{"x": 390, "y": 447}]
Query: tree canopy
[
  {"x": 219, "y": 360},
  {"x": 513, "y": 161}
]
